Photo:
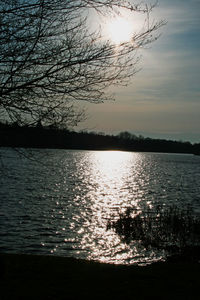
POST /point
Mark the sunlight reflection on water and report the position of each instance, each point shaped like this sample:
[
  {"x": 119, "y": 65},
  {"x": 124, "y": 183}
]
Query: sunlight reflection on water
[
  {"x": 63, "y": 206},
  {"x": 113, "y": 174}
]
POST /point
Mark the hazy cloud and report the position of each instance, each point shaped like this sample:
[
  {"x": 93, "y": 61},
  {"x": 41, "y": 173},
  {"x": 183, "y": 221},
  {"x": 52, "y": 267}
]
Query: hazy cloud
[{"x": 163, "y": 98}]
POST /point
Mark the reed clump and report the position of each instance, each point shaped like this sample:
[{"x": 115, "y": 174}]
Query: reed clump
[{"x": 169, "y": 228}]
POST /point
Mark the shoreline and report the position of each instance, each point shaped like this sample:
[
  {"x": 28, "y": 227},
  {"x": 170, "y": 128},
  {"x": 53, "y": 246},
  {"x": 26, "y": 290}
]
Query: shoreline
[
  {"x": 14, "y": 135},
  {"x": 33, "y": 147},
  {"x": 51, "y": 277}
]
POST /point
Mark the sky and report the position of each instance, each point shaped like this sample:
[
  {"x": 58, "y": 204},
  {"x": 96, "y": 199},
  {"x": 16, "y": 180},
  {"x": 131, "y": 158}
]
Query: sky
[{"x": 163, "y": 99}]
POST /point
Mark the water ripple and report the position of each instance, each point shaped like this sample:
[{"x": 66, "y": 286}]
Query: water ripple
[{"x": 63, "y": 206}]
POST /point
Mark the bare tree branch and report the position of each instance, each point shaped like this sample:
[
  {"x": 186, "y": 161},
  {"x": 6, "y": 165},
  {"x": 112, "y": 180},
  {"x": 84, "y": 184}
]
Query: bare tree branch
[{"x": 49, "y": 58}]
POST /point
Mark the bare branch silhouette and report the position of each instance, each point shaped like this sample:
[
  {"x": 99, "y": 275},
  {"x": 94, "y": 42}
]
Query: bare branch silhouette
[{"x": 49, "y": 58}]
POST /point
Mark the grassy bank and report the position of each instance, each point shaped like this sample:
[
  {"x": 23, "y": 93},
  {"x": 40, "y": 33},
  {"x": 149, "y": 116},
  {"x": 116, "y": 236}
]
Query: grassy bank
[{"x": 49, "y": 277}]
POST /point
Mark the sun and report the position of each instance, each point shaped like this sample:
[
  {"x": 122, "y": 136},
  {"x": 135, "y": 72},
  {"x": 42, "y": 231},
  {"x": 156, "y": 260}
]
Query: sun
[{"x": 119, "y": 30}]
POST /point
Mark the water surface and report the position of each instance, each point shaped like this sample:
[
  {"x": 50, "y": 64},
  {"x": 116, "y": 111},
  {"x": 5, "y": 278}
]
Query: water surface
[{"x": 59, "y": 201}]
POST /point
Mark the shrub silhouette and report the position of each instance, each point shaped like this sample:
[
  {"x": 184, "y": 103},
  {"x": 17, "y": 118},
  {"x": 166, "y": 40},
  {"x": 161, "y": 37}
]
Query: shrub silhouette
[{"x": 169, "y": 228}]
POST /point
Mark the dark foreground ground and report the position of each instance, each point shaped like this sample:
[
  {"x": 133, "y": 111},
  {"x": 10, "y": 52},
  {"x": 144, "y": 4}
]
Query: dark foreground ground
[{"x": 49, "y": 277}]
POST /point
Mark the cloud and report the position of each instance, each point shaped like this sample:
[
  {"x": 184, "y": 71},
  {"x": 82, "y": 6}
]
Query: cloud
[{"x": 164, "y": 97}]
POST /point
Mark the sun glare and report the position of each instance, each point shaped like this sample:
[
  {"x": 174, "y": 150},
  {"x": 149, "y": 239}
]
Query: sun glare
[{"x": 119, "y": 30}]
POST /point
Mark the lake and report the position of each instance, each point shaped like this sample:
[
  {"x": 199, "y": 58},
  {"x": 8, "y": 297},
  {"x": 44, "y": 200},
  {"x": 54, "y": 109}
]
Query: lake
[{"x": 59, "y": 202}]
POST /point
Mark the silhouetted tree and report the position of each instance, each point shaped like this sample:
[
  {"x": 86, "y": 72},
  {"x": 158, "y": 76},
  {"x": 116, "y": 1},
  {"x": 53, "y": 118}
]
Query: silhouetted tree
[
  {"x": 125, "y": 135},
  {"x": 49, "y": 58}
]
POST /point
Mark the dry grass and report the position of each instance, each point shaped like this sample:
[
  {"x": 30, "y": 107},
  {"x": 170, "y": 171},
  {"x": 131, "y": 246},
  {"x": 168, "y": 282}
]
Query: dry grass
[{"x": 169, "y": 228}]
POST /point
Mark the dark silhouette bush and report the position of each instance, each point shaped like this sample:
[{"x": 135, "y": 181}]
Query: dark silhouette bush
[{"x": 169, "y": 228}]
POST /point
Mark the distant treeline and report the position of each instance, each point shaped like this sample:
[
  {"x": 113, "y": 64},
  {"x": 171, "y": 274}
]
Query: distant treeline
[{"x": 51, "y": 137}]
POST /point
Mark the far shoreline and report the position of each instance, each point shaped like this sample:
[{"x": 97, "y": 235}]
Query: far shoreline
[
  {"x": 94, "y": 149},
  {"x": 54, "y": 138}
]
